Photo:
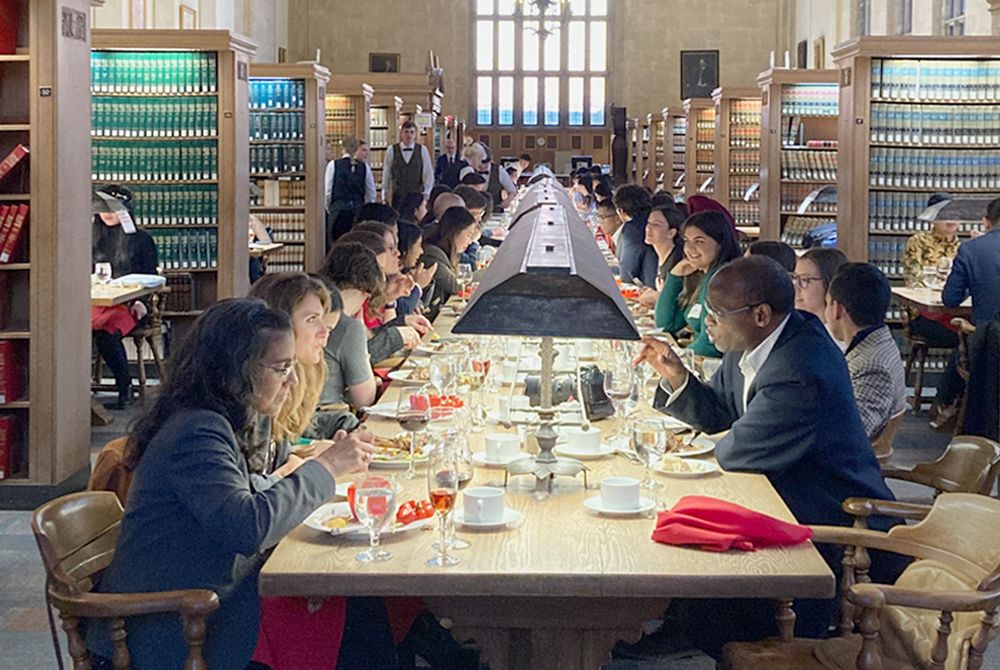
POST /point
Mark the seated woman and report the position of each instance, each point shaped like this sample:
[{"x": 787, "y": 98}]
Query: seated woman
[
  {"x": 814, "y": 270},
  {"x": 413, "y": 207},
  {"x": 708, "y": 245},
  {"x": 411, "y": 248},
  {"x": 193, "y": 519},
  {"x": 663, "y": 233},
  {"x": 129, "y": 250},
  {"x": 443, "y": 244},
  {"x": 636, "y": 259}
]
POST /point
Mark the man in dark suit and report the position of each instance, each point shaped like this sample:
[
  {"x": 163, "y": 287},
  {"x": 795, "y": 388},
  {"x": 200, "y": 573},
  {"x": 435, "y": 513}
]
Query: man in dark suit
[
  {"x": 976, "y": 271},
  {"x": 449, "y": 165}
]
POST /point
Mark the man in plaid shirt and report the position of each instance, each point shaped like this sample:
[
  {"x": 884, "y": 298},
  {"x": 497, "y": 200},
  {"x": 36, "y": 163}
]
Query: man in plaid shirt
[{"x": 856, "y": 303}]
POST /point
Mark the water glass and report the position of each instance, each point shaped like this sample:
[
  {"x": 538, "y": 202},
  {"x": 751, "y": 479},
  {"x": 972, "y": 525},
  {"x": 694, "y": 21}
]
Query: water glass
[
  {"x": 374, "y": 505},
  {"x": 649, "y": 439},
  {"x": 102, "y": 271},
  {"x": 442, "y": 372}
]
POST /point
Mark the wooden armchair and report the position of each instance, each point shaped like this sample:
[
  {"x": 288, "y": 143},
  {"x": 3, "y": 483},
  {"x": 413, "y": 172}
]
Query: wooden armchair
[
  {"x": 956, "y": 575},
  {"x": 969, "y": 465},
  {"x": 965, "y": 329},
  {"x": 76, "y": 535},
  {"x": 883, "y": 443}
]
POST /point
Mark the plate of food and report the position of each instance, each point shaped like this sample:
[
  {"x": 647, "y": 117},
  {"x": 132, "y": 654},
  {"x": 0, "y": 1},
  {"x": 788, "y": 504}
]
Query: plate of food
[
  {"x": 683, "y": 445},
  {"x": 411, "y": 375},
  {"x": 336, "y": 519},
  {"x": 393, "y": 453},
  {"x": 445, "y": 346},
  {"x": 386, "y": 410},
  {"x": 685, "y": 468}
]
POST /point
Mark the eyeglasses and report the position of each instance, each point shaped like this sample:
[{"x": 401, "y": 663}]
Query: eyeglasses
[
  {"x": 283, "y": 371},
  {"x": 722, "y": 316},
  {"x": 802, "y": 281}
]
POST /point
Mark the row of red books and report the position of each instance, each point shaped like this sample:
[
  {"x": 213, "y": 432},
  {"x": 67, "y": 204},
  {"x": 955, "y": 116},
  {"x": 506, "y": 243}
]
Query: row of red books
[
  {"x": 12, "y": 381},
  {"x": 12, "y": 217},
  {"x": 7, "y": 438}
]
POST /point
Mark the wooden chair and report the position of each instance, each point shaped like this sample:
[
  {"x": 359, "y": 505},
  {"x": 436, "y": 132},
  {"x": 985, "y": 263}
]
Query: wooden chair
[
  {"x": 76, "y": 535},
  {"x": 965, "y": 329},
  {"x": 883, "y": 443},
  {"x": 919, "y": 348},
  {"x": 140, "y": 337},
  {"x": 109, "y": 473},
  {"x": 957, "y": 574},
  {"x": 969, "y": 465}
]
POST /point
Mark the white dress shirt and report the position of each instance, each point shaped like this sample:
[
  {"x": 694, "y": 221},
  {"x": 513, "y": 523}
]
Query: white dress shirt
[
  {"x": 331, "y": 169},
  {"x": 390, "y": 155}
]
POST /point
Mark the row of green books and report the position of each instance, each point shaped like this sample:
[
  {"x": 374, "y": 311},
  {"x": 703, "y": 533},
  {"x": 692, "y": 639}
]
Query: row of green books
[
  {"x": 154, "y": 117},
  {"x": 277, "y": 94},
  {"x": 935, "y": 124},
  {"x": 277, "y": 158},
  {"x": 196, "y": 248},
  {"x": 940, "y": 80},
  {"x": 153, "y": 72},
  {"x": 934, "y": 168},
  {"x": 182, "y": 204},
  {"x": 272, "y": 126},
  {"x": 114, "y": 160}
]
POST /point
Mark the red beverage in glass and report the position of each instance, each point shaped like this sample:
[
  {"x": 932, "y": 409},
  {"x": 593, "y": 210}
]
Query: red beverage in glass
[{"x": 443, "y": 499}]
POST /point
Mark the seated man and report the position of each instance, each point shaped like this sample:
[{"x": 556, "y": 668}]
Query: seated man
[{"x": 856, "y": 303}]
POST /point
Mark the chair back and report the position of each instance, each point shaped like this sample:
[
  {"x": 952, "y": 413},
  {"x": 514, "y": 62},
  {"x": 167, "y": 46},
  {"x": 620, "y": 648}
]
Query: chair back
[
  {"x": 76, "y": 535},
  {"x": 968, "y": 465},
  {"x": 883, "y": 443},
  {"x": 109, "y": 473}
]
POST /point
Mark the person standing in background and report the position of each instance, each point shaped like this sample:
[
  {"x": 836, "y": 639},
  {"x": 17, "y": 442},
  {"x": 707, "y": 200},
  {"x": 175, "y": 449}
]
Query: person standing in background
[
  {"x": 349, "y": 185},
  {"x": 407, "y": 167},
  {"x": 446, "y": 161}
]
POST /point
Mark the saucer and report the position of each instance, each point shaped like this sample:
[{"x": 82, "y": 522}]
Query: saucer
[
  {"x": 566, "y": 450},
  {"x": 594, "y": 504},
  {"x": 479, "y": 460},
  {"x": 509, "y": 517},
  {"x": 685, "y": 468}
]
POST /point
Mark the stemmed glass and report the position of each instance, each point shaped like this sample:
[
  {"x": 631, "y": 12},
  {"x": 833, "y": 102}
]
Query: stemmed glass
[
  {"x": 374, "y": 505},
  {"x": 442, "y": 486},
  {"x": 442, "y": 372},
  {"x": 479, "y": 374},
  {"x": 619, "y": 384},
  {"x": 453, "y": 438},
  {"x": 649, "y": 438},
  {"x": 102, "y": 271},
  {"x": 464, "y": 277},
  {"x": 413, "y": 412}
]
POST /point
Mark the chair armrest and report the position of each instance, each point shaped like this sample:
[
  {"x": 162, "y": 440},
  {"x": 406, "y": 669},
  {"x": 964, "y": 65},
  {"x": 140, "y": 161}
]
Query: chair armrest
[
  {"x": 963, "y": 325},
  {"x": 866, "y": 507},
  {"x": 880, "y": 595},
  {"x": 189, "y": 602}
]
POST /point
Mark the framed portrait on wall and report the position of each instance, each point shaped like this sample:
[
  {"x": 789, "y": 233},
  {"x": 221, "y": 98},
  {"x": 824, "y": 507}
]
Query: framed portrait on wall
[
  {"x": 699, "y": 73},
  {"x": 189, "y": 18},
  {"x": 383, "y": 62}
]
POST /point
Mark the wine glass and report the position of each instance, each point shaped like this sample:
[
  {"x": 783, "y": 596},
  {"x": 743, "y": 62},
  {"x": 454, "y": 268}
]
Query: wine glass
[
  {"x": 442, "y": 487},
  {"x": 464, "y": 277},
  {"x": 442, "y": 372},
  {"x": 413, "y": 412},
  {"x": 619, "y": 384},
  {"x": 102, "y": 271},
  {"x": 649, "y": 439},
  {"x": 374, "y": 505},
  {"x": 453, "y": 438},
  {"x": 479, "y": 374}
]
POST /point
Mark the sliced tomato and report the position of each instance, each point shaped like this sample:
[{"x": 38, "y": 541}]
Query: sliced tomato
[{"x": 414, "y": 510}]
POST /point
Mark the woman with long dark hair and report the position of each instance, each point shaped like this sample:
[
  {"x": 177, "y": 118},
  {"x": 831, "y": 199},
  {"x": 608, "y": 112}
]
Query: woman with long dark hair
[
  {"x": 192, "y": 518},
  {"x": 129, "y": 250},
  {"x": 444, "y": 243}
]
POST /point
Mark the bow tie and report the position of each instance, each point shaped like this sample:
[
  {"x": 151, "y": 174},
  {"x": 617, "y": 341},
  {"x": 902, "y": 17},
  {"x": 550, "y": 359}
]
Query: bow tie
[{"x": 407, "y": 148}]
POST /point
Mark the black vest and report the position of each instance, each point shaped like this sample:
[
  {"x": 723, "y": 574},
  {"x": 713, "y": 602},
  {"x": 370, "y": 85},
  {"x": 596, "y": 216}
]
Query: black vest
[
  {"x": 407, "y": 177},
  {"x": 494, "y": 187},
  {"x": 348, "y": 185}
]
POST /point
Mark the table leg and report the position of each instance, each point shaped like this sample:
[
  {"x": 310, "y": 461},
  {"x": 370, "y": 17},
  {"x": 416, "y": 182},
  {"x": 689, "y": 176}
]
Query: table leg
[{"x": 547, "y": 633}]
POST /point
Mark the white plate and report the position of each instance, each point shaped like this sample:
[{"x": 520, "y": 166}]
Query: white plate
[
  {"x": 342, "y": 488},
  {"x": 566, "y": 450},
  {"x": 697, "y": 447},
  {"x": 353, "y": 528},
  {"x": 673, "y": 424},
  {"x": 479, "y": 460},
  {"x": 697, "y": 469},
  {"x": 404, "y": 376},
  {"x": 645, "y": 504},
  {"x": 397, "y": 464},
  {"x": 509, "y": 516},
  {"x": 386, "y": 410}
]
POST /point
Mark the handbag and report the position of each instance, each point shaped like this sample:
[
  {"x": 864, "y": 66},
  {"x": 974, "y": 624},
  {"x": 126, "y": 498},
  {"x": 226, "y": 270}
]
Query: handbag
[{"x": 564, "y": 387}]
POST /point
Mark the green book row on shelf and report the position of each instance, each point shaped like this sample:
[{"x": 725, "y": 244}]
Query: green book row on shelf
[
  {"x": 886, "y": 253},
  {"x": 113, "y": 160},
  {"x": 153, "y": 117},
  {"x": 277, "y": 93},
  {"x": 277, "y": 158},
  {"x": 270, "y": 126},
  {"x": 153, "y": 72},
  {"x": 187, "y": 249},
  {"x": 935, "y": 124},
  {"x": 935, "y": 80},
  {"x": 180, "y": 204},
  {"x": 934, "y": 168}
]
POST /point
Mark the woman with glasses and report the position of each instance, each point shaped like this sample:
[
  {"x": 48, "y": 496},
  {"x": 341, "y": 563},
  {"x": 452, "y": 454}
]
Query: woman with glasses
[
  {"x": 709, "y": 244},
  {"x": 814, "y": 271},
  {"x": 193, "y": 519}
]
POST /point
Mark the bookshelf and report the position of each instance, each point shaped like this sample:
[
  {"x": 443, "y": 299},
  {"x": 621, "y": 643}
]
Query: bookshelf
[
  {"x": 647, "y": 176},
  {"x": 657, "y": 151},
  {"x": 917, "y": 115},
  {"x": 171, "y": 122},
  {"x": 44, "y": 287},
  {"x": 674, "y": 129},
  {"x": 347, "y": 105},
  {"x": 634, "y": 161},
  {"x": 699, "y": 144},
  {"x": 737, "y": 154},
  {"x": 383, "y": 131},
  {"x": 287, "y": 113},
  {"x": 798, "y": 149}
]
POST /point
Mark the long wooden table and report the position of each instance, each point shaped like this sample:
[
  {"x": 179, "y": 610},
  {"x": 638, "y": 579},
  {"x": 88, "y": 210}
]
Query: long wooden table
[
  {"x": 563, "y": 585},
  {"x": 928, "y": 300},
  {"x": 109, "y": 296}
]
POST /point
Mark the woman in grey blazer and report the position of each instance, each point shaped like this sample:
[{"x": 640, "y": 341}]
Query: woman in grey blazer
[{"x": 192, "y": 519}]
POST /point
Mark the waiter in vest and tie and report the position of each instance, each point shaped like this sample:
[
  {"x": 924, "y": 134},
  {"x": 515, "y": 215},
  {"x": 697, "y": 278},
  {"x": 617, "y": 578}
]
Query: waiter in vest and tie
[
  {"x": 407, "y": 167},
  {"x": 349, "y": 184}
]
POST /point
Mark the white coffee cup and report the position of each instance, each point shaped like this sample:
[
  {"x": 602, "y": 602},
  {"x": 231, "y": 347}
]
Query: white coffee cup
[
  {"x": 504, "y": 407},
  {"x": 580, "y": 440},
  {"x": 484, "y": 504},
  {"x": 509, "y": 371},
  {"x": 620, "y": 494},
  {"x": 564, "y": 356},
  {"x": 512, "y": 347},
  {"x": 520, "y": 402},
  {"x": 502, "y": 447},
  {"x": 585, "y": 348}
]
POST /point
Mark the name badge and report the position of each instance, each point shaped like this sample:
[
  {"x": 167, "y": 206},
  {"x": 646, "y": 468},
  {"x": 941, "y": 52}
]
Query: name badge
[{"x": 695, "y": 311}]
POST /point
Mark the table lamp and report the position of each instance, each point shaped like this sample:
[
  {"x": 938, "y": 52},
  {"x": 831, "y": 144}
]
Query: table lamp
[{"x": 969, "y": 211}]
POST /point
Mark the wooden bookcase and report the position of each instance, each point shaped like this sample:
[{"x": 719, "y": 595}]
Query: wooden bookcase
[
  {"x": 799, "y": 108},
  {"x": 348, "y": 102},
  {"x": 699, "y": 143},
  {"x": 737, "y": 154},
  {"x": 675, "y": 130},
  {"x": 906, "y": 105},
  {"x": 383, "y": 129},
  {"x": 294, "y": 202},
  {"x": 647, "y": 176},
  {"x": 657, "y": 151},
  {"x": 45, "y": 286},
  {"x": 159, "y": 79}
]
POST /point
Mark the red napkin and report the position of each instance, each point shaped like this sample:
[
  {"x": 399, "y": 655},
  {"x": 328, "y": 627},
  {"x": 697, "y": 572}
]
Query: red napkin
[{"x": 717, "y": 525}]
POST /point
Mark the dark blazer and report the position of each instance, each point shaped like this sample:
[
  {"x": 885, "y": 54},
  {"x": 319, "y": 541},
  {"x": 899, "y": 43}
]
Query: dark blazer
[
  {"x": 193, "y": 521},
  {"x": 976, "y": 272},
  {"x": 636, "y": 259},
  {"x": 801, "y": 428},
  {"x": 447, "y": 174}
]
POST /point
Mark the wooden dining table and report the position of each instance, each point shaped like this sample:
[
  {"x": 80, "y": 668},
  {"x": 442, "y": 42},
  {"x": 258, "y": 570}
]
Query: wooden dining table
[
  {"x": 559, "y": 587},
  {"x": 929, "y": 300},
  {"x": 109, "y": 296}
]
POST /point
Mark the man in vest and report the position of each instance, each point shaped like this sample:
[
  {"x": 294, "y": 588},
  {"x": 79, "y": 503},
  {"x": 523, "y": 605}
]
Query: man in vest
[
  {"x": 349, "y": 184},
  {"x": 407, "y": 167},
  {"x": 499, "y": 185}
]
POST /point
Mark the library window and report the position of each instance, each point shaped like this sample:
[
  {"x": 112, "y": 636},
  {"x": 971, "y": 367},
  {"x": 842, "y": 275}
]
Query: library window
[
  {"x": 954, "y": 17},
  {"x": 904, "y": 17},
  {"x": 541, "y": 62}
]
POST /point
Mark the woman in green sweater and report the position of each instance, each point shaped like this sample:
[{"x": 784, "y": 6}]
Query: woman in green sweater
[{"x": 709, "y": 244}]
